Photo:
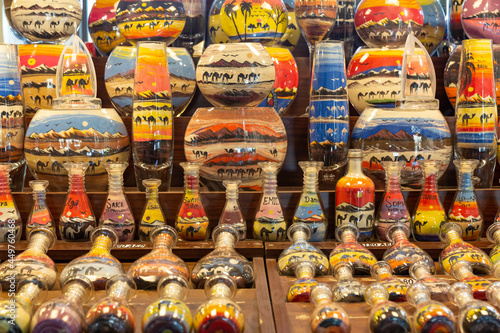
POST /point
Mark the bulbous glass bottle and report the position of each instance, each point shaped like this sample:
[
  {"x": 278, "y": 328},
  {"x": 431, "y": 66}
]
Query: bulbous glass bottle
[
  {"x": 117, "y": 213},
  {"x": 40, "y": 215},
  {"x": 300, "y": 290},
  {"x": 224, "y": 258},
  {"x": 347, "y": 288},
  {"x": 10, "y": 220},
  {"x": 382, "y": 273},
  {"x": 113, "y": 313},
  {"x": 493, "y": 235},
  {"x": 231, "y": 215},
  {"x": 385, "y": 316},
  {"x": 327, "y": 315},
  {"x": 148, "y": 270},
  {"x": 192, "y": 222},
  {"x": 421, "y": 272},
  {"x": 99, "y": 265},
  {"x": 152, "y": 216},
  {"x": 462, "y": 272}
]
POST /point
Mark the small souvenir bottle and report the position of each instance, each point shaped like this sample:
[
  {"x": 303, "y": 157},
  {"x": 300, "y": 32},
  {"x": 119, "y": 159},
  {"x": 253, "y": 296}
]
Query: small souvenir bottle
[
  {"x": 493, "y": 294},
  {"x": 382, "y": 272},
  {"x": 169, "y": 313},
  {"x": 402, "y": 253},
  {"x": 464, "y": 209},
  {"x": 493, "y": 234},
  {"x": 117, "y": 213},
  {"x": 385, "y": 316},
  {"x": 33, "y": 261},
  {"x": 192, "y": 222},
  {"x": 430, "y": 316},
  {"x": 351, "y": 251},
  {"x": 224, "y": 258},
  {"x": 474, "y": 316},
  {"x": 458, "y": 250},
  {"x": 310, "y": 209},
  {"x": 429, "y": 215},
  {"x": 113, "y": 313},
  {"x": 152, "y": 216},
  {"x": 231, "y": 215},
  {"x": 269, "y": 223},
  {"x": 148, "y": 270},
  {"x": 354, "y": 197},
  {"x": 77, "y": 219},
  {"x": 462, "y": 272},
  {"x": 347, "y": 288},
  {"x": 99, "y": 265},
  {"x": 10, "y": 218},
  {"x": 301, "y": 251},
  {"x": 220, "y": 312},
  {"x": 392, "y": 207},
  {"x": 300, "y": 290},
  {"x": 327, "y": 315},
  {"x": 65, "y": 313},
  {"x": 422, "y": 272},
  {"x": 40, "y": 215}
]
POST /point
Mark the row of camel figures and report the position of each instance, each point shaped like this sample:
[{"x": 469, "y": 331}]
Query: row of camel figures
[
  {"x": 80, "y": 83},
  {"x": 484, "y": 117},
  {"x": 190, "y": 230},
  {"x": 57, "y": 167},
  {"x": 241, "y": 78},
  {"x": 152, "y": 25},
  {"x": 355, "y": 219},
  {"x": 414, "y": 86},
  {"x": 384, "y": 35},
  {"x": 151, "y": 120},
  {"x": 11, "y": 114},
  {"x": 78, "y": 233},
  {"x": 280, "y": 233},
  {"x": 88, "y": 270},
  {"x": 412, "y": 161},
  {"x": 223, "y": 173},
  {"x": 38, "y": 100},
  {"x": 381, "y": 94},
  {"x": 53, "y": 25},
  {"x": 108, "y": 39}
]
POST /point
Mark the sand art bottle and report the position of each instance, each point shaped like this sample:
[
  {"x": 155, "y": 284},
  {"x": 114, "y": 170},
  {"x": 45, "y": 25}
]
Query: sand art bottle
[
  {"x": 493, "y": 234},
  {"x": 462, "y": 272},
  {"x": 10, "y": 218},
  {"x": 113, "y": 313},
  {"x": 430, "y": 316},
  {"x": 117, "y": 213},
  {"x": 385, "y": 316},
  {"x": 40, "y": 215},
  {"x": 269, "y": 223},
  {"x": 65, "y": 313},
  {"x": 77, "y": 219},
  {"x": 192, "y": 222},
  {"x": 347, "y": 289},
  {"x": 148, "y": 270},
  {"x": 300, "y": 290},
  {"x": 382, "y": 272},
  {"x": 327, "y": 315},
  {"x": 169, "y": 313},
  {"x": 422, "y": 272},
  {"x": 152, "y": 216},
  {"x": 231, "y": 214}
]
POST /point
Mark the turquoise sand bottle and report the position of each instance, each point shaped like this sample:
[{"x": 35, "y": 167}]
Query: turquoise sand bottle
[{"x": 327, "y": 315}]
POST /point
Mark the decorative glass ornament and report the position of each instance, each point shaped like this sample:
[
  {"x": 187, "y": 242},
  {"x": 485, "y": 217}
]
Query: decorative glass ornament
[
  {"x": 434, "y": 28},
  {"x": 231, "y": 214},
  {"x": 422, "y": 271},
  {"x": 481, "y": 20},
  {"x": 192, "y": 36},
  {"x": 327, "y": 316},
  {"x": 152, "y": 215},
  {"x": 10, "y": 220},
  {"x": 347, "y": 288},
  {"x": 300, "y": 290},
  {"x": 385, "y": 316},
  {"x": 493, "y": 234},
  {"x": 382, "y": 273},
  {"x": 40, "y": 215},
  {"x": 462, "y": 272}
]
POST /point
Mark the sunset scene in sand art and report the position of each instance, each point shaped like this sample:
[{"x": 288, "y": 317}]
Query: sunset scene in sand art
[{"x": 102, "y": 26}]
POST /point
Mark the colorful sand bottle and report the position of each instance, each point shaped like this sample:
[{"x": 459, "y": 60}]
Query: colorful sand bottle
[
  {"x": 429, "y": 214},
  {"x": 99, "y": 265},
  {"x": 347, "y": 288},
  {"x": 34, "y": 261},
  {"x": 351, "y": 251},
  {"x": 301, "y": 251},
  {"x": 113, "y": 313},
  {"x": 40, "y": 215},
  {"x": 65, "y": 313},
  {"x": 458, "y": 250},
  {"x": 300, "y": 290},
  {"x": 385, "y": 316},
  {"x": 464, "y": 209},
  {"x": 402, "y": 253},
  {"x": 231, "y": 215},
  {"x": 430, "y": 316},
  {"x": 169, "y": 313},
  {"x": 148, "y": 270},
  {"x": 327, "y": 315},
  {"x": 392, "y": 207},
  {"x": 310, "y": 209},
  {"x": 10, "y": 218},
  {"x": 224, "y": 258},
  {"x": 192, "y": 222},
  {"x": 220, "y": 312},
  {"x": 269, "y": 223},
  {"x": 382, "y": 272},
  {"x": 354, "y": 197},
  {"x": 77, "y": 219},
  {"x": 462, "y": 272},
  {"x": 152, "y": 216},
  {"x": 474, "y": 316},
  {"x": 422, "y": 272},
  {"x": 117, "y": 213},
  {"x": 493, "y": 234}
]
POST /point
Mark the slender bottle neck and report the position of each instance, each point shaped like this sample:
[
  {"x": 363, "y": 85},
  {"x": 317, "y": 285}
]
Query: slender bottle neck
[
  {"x": 452, "y": 236},
  {"x": 382, "y": 273},
  {"x": 28, "y": 293},
  {"x": 115, "y": 182},
  {"x": 430, "y": 183},
  {"x": 39, "y": 198},
  {"x": 299, "y": 236},
  {"x": 465, "y": 179},
  {"x": 355, "y": 166},
  {"x": 225, "y": 239},
  {"x": 220, "y": 290},
  {"x": 4, "y": 182},
  {"x": 496, "y": 237},
  {"x": 102, "y": 243},
  {"x": 463, "y": 298},
  {"x": 348, "y": 236},
  {"x": 310, "y": 180},
  {"x": 39, "y": 242},
  {"x": 399, "y": 236},
  {"x": 392, "y": 182},
  {"x": 75, "y": 293},
  {"x": 120, "y": 289},
  {"x": 463, "y": 273},
  {"x": 76, "y": 183},
  {"x": 322, "y": 297},
  {"x": 420, "y": 298},
  {"x": 343, "y": 273},
  {"x": 304, "y": 271},
  {"x": 232, "y": 194},
  {"x": 173, "y": 290},
  {"x": 152, "y": 194},
  {"x": 422, "y": 273},
  {"x": 191, "y": 182},
  {"x": 270, "y": 186},
  {"x": 495, "y": 297},
  {"x": 163, "y": 242}
]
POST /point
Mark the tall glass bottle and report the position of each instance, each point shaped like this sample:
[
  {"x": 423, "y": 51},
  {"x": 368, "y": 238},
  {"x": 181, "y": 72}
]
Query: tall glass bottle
[
  {"x": 99, "y": 265},
  {"x": 192, "y": 222},
  {"x": 152, "y": 215},
  {"x": 300, "y": 290},
  {"x": 430, "y": 316},
  {"x": 40, "y": 215},
  {"x": 231, "y": 215},
  {"x": 77, "y": 219},
  {"x": 493, "y": 234},
  {"x": 462, "y": 272},
  {"x": 382, "y": 273},
  {"x": 385, "y": 316},
  {"x": 117, "y": 213},
  {"x": 421, "y": 271},
  {"x": 347, "y": 288},
  {"x": 464, "y": 209},
  {"x": 169, "y": 312},
  {"x": 354, "y": 197},
  {"x": 429, "y": 215},
  {"x": 224, "y": 258},
  {"x": 10, "y": 219},
  {"x": 327, "y": 315},
  {"x": 392, "y": 207},
  {"x": 148, "y": 270},
  {"x": 269, "y": 223},
  {"x": 113, "y": 313},
  {"x": 310, "y": 209},
  {"x": 65, "y": 313}
]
